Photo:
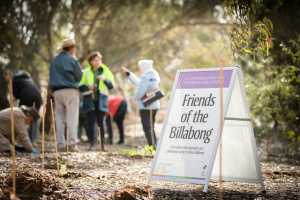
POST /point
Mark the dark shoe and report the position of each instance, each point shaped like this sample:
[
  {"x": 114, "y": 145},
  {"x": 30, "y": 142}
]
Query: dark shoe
[
  {"x": 20, "y": 148},
  {"x": 104, "y": 149},
  {"x": 91, "y": 147},
  {"x": 120, "y": 142}
]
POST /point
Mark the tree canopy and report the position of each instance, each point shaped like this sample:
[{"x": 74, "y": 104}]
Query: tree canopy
[{"x": 262, "y": 36}]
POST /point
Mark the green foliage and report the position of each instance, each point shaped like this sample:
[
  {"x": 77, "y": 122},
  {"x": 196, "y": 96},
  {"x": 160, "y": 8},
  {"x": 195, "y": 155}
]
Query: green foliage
[
  {"x": 65, "y": 182},
  {"x": 63, "y": 171},
  {"x": 294, "y": 52},
  {"x": 248, "y": 24},
  {"x": 146, "y": 151},
  {"x": 260, "y": 132},
  {"x": 129, "y": 152},
  {"x": 274, "y": 94},
  {"x": 295, "y": 141},
  {"x": 142, "y": 151},
  {"x": 62, "y": 168}
]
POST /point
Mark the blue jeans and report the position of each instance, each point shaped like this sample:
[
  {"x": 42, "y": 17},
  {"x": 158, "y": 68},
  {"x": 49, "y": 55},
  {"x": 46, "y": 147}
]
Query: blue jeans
[
  {"x": 145, "y": 117},
  {"x": 32, "y": 135}
]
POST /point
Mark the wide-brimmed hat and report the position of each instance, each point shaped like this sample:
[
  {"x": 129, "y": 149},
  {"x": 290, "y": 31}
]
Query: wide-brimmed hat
[
  {"x": 68, "y": 43},
  {"x": 34, "y": 113}
]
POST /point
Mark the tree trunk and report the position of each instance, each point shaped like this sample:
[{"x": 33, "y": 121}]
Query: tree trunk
[
  {"x": 48, "y": 116},
  {"x": 35, "y": 75}
]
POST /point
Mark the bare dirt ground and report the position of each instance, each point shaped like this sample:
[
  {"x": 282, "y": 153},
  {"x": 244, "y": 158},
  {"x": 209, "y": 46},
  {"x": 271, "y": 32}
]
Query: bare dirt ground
[{"x": 111, "y": 175}]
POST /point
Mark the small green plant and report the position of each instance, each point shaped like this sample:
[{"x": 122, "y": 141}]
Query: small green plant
[
  {"x": 142, "y": 151},
  {"x": 62, "y": 167},
  {"x": 48, "y": 137},
  {"x": 146, "y": 151},
  {"x": 129, "y": 152},
  {"x": 65, "y": 182},
  {"x": 295, "y": 141}
]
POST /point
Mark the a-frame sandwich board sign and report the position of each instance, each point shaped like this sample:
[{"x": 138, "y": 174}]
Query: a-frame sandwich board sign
[{"x": 190, "y": 136}]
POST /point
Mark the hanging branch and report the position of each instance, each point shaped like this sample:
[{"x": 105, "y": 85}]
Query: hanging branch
[{"x": 85, "y": 45}]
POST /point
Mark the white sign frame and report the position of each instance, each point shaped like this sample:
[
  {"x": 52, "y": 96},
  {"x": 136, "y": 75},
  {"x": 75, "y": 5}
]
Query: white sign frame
[{"x": 236, "y": 72}]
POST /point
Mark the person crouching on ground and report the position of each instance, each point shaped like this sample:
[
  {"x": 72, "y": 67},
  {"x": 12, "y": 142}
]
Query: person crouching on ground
[
  {"x": 96, "y": 80},
  {"x": 22, "y": 117},
  {"x": 149, "y": 80},
  {"x": 117, "y": 107}
]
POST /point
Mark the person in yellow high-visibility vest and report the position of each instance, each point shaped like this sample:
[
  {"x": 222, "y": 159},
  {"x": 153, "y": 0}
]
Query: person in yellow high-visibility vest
[{"x": 96, "y": 80}]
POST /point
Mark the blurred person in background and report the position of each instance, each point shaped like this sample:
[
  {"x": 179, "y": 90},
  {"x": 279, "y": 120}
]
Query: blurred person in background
[
  {"x": 22, "y": 117},
  {"x": 117, "y": 107},
  {"x": 65, "y": 74},
  {"x": 83, "y": 123},
  {"x": 96, "y": 81},
  {"x": 27, "y": 92},
  {"x": 149, "y": 80}
]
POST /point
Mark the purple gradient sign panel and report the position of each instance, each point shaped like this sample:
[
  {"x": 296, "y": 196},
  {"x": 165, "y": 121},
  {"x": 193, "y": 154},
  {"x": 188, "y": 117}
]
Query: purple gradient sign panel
[{"x": 203, "y": 79}]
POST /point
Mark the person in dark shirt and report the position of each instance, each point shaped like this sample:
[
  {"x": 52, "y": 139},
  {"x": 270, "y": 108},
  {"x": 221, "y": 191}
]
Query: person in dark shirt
[
  {"x": 28, "y": 93},
  {"x": 64, "y": 75}
]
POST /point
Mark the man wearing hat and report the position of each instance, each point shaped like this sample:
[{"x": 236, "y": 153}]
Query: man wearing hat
[
  {"x": 22, "y": 117},
  {"x": 65, "y": 74}
]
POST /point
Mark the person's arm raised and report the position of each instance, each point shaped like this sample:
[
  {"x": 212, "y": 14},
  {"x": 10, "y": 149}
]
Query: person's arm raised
[{"x": 131, "y": 76}]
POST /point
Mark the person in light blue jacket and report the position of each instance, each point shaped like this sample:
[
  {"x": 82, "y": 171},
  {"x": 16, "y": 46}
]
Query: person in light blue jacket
[{"x": 149, "y": 80}]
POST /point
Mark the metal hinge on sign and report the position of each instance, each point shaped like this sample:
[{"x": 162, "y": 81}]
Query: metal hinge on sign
[{"x": 237, "y": 119}]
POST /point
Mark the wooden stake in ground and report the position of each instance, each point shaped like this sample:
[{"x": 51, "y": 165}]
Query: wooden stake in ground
[
  {"x": 12, "y": 137},
  {"x": 32, "y": 133},
  {"x": 136, "y": 114},
  {"x": 151, "y": 124},
  {"x": 67, "y": 132},
  {"x": 43, "y": 130},
  {"x": 53, "y": 120},
  {"x": 100, "y": 140},
  {"x": 221, "y": 130}
]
